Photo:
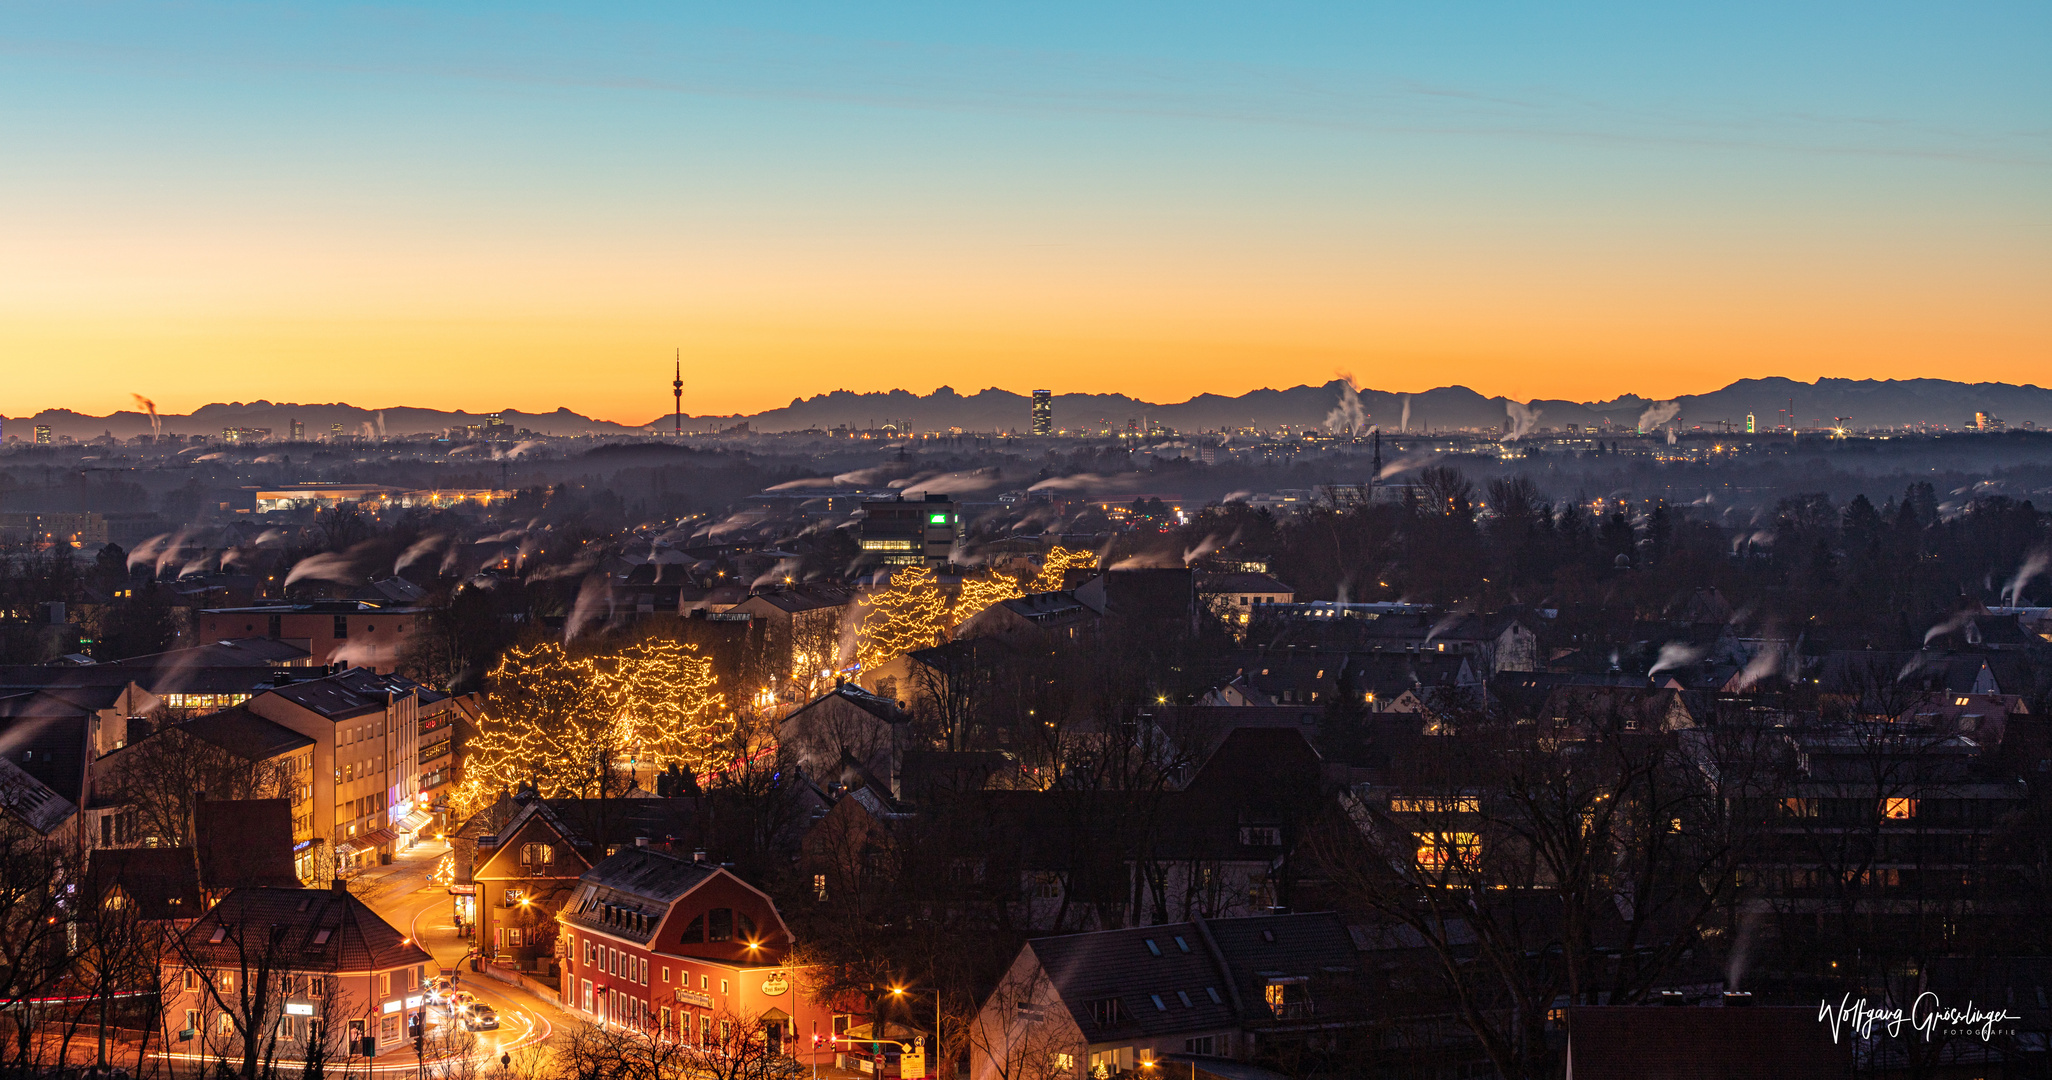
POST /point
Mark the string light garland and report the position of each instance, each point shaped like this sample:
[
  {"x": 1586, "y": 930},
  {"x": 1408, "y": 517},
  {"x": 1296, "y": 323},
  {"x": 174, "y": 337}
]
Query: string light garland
[
  {"x": 979, "y": 593},
  {"x": 910, "y": 613},
  {"x": 562, "y": 723},
  {"x": 1056, "y": 566}
]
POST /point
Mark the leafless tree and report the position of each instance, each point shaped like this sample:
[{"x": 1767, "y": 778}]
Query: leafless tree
[
  {"x": 36, "y": 948},
  {"x": 1578, "y": 860},
  {"x": 1023, "y": 1033},
  {"x": 163, "y": 777}
]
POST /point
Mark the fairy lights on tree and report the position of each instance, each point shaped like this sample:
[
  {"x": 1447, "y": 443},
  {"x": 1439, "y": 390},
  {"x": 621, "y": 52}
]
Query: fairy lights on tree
[
  {"x": 910, "y": 613},
  {"x": 566, "y": 724},
  {"x": 1055, "y": 567},
  {"x": 981, "y": 592}
]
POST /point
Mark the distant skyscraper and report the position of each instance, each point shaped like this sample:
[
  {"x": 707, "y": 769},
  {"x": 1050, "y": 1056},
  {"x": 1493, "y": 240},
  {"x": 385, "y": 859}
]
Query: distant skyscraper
[
  {"x": 1752, "y": 425},
  {"x": 1043, "y": 412},
  {"x": 42, "y": 434},
  {"x": 298, "y": 430},
  {"x": 493, "y": 420}
]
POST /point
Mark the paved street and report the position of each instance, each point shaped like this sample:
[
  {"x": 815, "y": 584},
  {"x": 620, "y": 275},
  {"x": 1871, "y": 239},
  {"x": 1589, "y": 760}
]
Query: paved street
[{"x": 404, "y": 894}]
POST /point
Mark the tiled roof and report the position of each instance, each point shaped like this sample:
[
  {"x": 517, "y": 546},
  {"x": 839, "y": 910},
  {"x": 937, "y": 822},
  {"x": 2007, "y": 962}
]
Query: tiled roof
[
  {"x": 1241, "y": 583},
  {"x": 162, "y": 882},
  {"x": 245, "y": 843},
  {"x": 882, "y": 708},
  {"x": 32, "y": 801},
  {"x": 320, "y": 930},
  {"x": 1176, "y": 969},
  {"x": 234, "y": 652},
  {"x": 350, "y": 693},
  {"x": 1262, "y": 948},
  {"x": 69, "y": 701},
  {"x": 628, "y": 893},
  {"x": 50, "y": 746},
  {"x": 245, "y": 734}
]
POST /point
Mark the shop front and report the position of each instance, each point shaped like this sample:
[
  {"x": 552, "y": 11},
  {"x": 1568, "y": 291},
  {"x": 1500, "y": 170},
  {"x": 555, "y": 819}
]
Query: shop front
[{"x": 464, "y": 899}]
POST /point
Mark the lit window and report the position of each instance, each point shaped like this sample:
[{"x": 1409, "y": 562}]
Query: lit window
[
  {"x": 1899, "y": 809},
  {"x": 1440, "y": 851}
]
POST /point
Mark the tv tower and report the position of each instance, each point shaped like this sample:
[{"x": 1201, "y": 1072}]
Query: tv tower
[{"x": 677, "y": 389}]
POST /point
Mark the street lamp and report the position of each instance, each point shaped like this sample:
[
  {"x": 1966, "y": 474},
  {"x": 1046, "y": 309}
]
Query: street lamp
[{"x": 899, "y": 992}]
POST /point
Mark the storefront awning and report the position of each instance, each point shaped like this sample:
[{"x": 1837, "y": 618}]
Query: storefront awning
[
  {"x": 346, "y": 849},
  {"x": 416, "y": 821},
  {"x": 376, "y": 837}
]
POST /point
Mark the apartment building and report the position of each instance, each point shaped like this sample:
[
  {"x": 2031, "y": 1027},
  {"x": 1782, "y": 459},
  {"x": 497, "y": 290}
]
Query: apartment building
[{"x": 366, "y": 781}]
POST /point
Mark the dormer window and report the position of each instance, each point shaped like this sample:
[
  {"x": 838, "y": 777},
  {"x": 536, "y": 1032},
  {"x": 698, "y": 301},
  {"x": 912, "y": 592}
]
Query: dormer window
[
  {"x": 694, "y": 931},
  {"x": 720, "y": 924}
]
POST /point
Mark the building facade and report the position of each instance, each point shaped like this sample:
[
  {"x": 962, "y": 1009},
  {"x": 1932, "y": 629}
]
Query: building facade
[{"x": 686, "y": 951}]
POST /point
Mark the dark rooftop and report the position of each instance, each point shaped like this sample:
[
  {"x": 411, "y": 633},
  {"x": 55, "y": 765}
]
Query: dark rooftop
[{"x": 322, "y": 930}]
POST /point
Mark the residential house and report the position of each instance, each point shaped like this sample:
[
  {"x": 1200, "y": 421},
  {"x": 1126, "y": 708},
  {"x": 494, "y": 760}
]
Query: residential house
[
  {"x": 850, "y": 723},
  {"x": 1036, "y": 615},
  {"x": 686, "y": 951},
  {"x": 1115, "y": 1001},
  {"x": 801, "y": 627},
  {"x": 309, "y": 964},
  {"x": 527, "y": 854}
]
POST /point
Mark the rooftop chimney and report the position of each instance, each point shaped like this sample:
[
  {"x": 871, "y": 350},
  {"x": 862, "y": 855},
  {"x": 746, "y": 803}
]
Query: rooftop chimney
[
  {"x": 340, "y": 885},
  {"x": 641, "y": 841},
  {"x": 698, "y": 856},
  {"x": 1736, "y": 998}
]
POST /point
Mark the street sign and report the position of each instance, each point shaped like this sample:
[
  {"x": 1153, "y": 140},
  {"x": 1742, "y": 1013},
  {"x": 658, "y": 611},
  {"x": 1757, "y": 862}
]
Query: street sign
[{"x": 911, "y": 1063}]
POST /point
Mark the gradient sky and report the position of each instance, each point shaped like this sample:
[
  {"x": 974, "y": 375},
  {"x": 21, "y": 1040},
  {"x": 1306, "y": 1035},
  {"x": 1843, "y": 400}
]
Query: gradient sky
[{"x": 527, "y": 205}]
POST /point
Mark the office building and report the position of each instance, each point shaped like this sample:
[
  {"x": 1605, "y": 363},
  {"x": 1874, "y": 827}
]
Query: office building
[
  {"x": 911, "y": 532},
  {"x": 1043, "y": 412}
]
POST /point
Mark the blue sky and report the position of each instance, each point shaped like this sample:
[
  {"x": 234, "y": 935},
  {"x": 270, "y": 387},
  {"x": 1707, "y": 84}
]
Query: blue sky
[{"x": 909, "y": 195}]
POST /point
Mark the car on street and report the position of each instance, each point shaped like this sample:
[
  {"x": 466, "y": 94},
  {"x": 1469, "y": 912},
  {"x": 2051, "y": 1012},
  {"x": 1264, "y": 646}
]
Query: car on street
[
  {"x": 439, "y": 987},
  {"x": 480, "y": 1017},
  {"x": 456, "y": 1001}
]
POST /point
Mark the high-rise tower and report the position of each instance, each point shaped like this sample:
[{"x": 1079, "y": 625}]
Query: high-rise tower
[
  {"x": 677, "y": 389},
  {"x": 1043, "y": 412}
]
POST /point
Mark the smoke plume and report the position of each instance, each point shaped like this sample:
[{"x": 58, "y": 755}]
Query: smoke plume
[
  {"x": 421, "y": 549},
  {"x": 2036, "y": 563},
  {"x": 1347, "y": 418},
  {"x": 156, "y": 422},
  {"x": 1673, "y": 656},
  {"x": 1523, "y": 419},
  {"x": 1660, "y": 412}
]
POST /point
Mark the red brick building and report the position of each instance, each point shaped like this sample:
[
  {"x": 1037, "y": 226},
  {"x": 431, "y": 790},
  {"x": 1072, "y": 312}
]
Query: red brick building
[{"x": 686, "y": 951}]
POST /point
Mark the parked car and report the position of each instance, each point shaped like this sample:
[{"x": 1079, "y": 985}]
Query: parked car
[{"x": 480, "y": 1017}]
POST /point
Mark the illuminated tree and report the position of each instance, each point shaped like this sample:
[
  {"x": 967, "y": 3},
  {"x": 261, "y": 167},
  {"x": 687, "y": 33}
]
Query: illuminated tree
[
  {"x": 911, "y": 613},
  {"x": 981, "y": 592},
  {"x": 1055, "y": 567},
  {"x": 564, "y": 724}
]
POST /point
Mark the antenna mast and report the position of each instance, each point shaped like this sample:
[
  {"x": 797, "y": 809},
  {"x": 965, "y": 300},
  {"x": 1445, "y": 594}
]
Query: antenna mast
[{"x": 677, "y": 388}]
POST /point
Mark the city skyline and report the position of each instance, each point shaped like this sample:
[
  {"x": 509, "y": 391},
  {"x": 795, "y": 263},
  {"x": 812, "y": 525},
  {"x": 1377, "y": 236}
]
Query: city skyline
[{"x": 520, "y": 208}]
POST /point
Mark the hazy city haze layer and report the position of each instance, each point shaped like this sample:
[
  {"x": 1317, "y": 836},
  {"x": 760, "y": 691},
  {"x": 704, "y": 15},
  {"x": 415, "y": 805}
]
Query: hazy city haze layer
[{"x": 1864, "y": 404}]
